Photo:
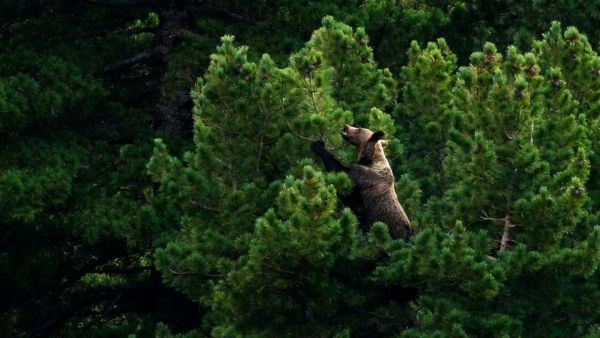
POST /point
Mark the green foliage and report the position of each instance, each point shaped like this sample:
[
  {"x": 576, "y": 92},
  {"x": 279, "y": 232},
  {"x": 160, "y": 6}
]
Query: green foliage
[
  {"x": 423, "y": 115},
  {"x": 357, "y": 84},
  {"x": 287, "y": 275},
  {"x": 521, "y": 156},
  {"x": 54, "y": 90},
  {"x": 152, "y": 185},
  {"x": 501, "y": 148},
  {"x": 252, "y": 123}
]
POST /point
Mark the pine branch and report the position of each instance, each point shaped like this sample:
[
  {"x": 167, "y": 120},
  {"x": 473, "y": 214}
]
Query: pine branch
[
  {"x": 123, "y": 3},
  {"x": 225, "y": 15},
  {"x": 6, "y": 26},
  {"x": 206, "y": 207},
  {"x": 31, "y": 10},
  {"x": 189, "y": 273},
  {"x": 120, "y": 31},
  {"x": 278, "y": 269},
  {"x": 124, "y": 270},
  {"x": 138, "y": 58},
  {"x": 77, "y": 303}
]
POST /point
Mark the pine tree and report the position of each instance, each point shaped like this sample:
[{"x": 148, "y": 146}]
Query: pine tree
[
  {"x": 287, "y": 277},
  {"x": 517, "y": 242},
  {"x": 521, "y": 158},
  {"x": 253, "y": 124},
  {"x": 423, "y": 116},
  {"x": 509, "y": 227},
  {"x": 579, "y": 63}
]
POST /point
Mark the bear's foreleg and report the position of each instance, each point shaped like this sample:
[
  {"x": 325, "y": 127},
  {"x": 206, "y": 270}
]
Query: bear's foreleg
[
  {"x": 352, "y": 200},
  {"x": 331, "y": 163}
]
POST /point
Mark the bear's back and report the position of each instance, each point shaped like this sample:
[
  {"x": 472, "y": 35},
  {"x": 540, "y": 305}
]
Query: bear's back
[{"x": 375, "y": 182}]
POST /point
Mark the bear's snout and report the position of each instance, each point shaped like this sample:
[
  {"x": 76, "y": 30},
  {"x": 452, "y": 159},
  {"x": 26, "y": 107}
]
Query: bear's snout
[{"x": 345, "y": 132}]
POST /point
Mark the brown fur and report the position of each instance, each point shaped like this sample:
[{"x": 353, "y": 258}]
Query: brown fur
[{"x": 373, "y": 177}]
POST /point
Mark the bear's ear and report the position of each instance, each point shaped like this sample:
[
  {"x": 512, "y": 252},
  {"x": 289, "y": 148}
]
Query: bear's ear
[{"x": 377, "y": 136}]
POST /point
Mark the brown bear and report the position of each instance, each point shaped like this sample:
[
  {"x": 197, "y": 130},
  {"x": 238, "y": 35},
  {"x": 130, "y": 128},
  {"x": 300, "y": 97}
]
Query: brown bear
[{"x": 373, "y": 179}]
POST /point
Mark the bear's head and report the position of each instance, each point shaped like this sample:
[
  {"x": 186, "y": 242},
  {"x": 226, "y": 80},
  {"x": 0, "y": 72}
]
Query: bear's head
[
  {"x": 370, "y": 145},
  {"x": 359, "y": 136}
]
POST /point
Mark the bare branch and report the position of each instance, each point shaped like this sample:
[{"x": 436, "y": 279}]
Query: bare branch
[
  {"x": 207, "y": 207},
  {"x": 120, "y": 31},
  {"x": 298, "y": 135},
  {"x": 486, "y": 217},
  {"x": 116, "y": 270},
  {"x": 6, "y": 26},
  {"x": 505, "y": 234},
  {"x": 141, "y": 57},
  {"x": 189, "y": 273},
  {"x": 278, "y": 269}
]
